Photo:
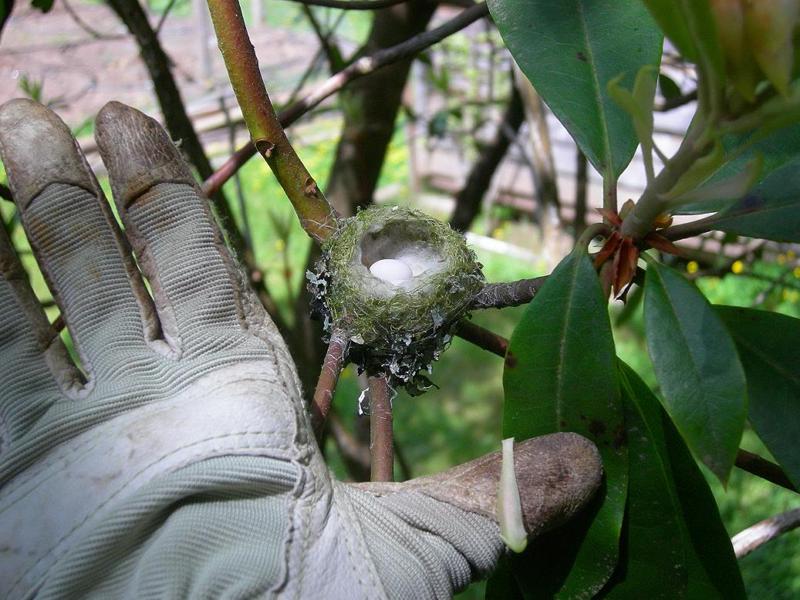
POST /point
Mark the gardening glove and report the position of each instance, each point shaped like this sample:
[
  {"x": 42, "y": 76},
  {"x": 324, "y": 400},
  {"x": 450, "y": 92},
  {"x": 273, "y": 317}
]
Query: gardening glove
[{"x": 176, "y": 460}]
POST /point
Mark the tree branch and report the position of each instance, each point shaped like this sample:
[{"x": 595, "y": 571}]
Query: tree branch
[
  {"x": 380, "y": 430},
  {"x": 355, "y": 455},
  {"x": 316, "y": 215},
  {"x": 503, "y": 295},
  {"x": 76, "y": 18},
  {"x": 164, "y": 15},
  {"x": 764, "y": 531},
  {"x": 351, "y": 4},
  {"x": 326, "y": 384},
  {"x": 761, "y": 467},
  {"x": 363, "y": 66},
  {"x": 677, "y": 102},
  {"x": 481, "y": 337},
  {"x": 468, "y": 199},
  {"x": 332, "y": 53}
]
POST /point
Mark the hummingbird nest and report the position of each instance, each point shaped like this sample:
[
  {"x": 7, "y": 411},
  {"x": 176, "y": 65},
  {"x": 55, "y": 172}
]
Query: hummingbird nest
[{"x": 396, "y": 328}]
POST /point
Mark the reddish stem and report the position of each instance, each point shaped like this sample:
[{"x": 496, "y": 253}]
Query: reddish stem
[
  {"x": 326, "y": 384},
  {"x": 380, "y": 430},
  {"x": 316, "y": 215},
  {"x": 361, "y": 67},
  {"x": 483, "y": 338}
]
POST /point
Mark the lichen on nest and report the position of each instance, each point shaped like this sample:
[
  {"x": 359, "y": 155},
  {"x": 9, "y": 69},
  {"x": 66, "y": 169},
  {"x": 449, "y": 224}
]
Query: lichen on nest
[{"x": 398, "y": 328}]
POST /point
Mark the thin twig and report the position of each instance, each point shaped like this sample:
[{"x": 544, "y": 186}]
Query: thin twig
[
  {"x": 512, "y": 293},
  {"x": 78, "y": 20},
  {"x": 764, "y": 531},
  {"x": 677, "y": 102},
  {"x": 380, "y": 430},
  {"x": 316, "y": 216},
  {"x": 355, "y": 454},
  {"x": 482, "y": 337},
  {"x": 164, "y": 15},
  {"x": 328, "y": 46},
  {"x": 360, "y": 68},
  {"x": 469, "y": 197},
  {"x": 329, "y": 375},
  {"x": 761, "y": 467},
  {"x": 351, "y": 4},
  {"x": 247, "y": 234}
]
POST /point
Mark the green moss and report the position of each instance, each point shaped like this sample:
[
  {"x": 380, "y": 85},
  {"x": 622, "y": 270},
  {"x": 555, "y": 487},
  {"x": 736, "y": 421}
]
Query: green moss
[{"x": 396, "y": 330}]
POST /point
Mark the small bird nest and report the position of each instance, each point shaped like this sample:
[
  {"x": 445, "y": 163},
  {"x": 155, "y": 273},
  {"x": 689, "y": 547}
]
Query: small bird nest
[{"x": 400, "y": 323}]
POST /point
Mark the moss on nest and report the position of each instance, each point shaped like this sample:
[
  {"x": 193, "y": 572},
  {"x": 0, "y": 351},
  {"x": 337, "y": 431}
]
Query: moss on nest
[{"x": 397, "y": 329}]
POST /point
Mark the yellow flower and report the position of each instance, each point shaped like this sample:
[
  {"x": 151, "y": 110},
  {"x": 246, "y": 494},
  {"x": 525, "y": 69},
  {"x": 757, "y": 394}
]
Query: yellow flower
[
  {"x": 692, "y": 267},
  {"x": 737, "y": 267}
]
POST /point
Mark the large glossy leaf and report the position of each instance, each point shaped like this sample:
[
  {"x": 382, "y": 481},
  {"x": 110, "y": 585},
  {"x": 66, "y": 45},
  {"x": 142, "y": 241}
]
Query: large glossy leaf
[
  {"x": 770, "y": 211},
  {"x": 662, "y": 557},
  {"x": 654, "y": 539},
  {"x": 561, "y": 375},
  {"x": 776, "y": 151},
  {"x": 769, "y": 347},
  {"x": 713, "y": 572},
  {"x": 697, "y": 366},
  {"x": 570, "y": 50}
]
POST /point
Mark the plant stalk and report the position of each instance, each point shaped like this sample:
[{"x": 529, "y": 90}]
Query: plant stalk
[
  {"x": 381, "y": 446},
  {"x": 316, "y": 216}
]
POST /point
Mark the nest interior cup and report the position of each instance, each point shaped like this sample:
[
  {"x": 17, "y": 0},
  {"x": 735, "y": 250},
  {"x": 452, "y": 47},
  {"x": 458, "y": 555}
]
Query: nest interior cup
[{"x": 364, "y": 286}]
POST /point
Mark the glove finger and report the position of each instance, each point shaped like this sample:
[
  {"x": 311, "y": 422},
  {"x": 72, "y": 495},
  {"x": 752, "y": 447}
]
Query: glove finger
[
  {"x": 75, "y": 238},
  {"x": 169, "y": 224},
  {"x": 26, "y": 343},
  {"x": 556, "y": 475}
]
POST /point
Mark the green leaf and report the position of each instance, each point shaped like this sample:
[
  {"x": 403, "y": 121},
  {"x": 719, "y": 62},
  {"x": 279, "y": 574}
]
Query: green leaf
[
  {"x": 768, "y": 346},
  {"x": 638, "y": 103},
  {"x": 654, "y": 539},
  {"x": 667, "y": 496},
  {"x": 669, "y": 89},
  {"x": 733, "y": 188},
  {"x": 697, "y": 367},
  {"x": 776, "y": 150},
  {"x": 570, "y": 50},
  {"x": 771, "y": 210},
  {"x": 689, "y": 24},
  {"x": 715, "y": 572},
  {"x": 561, "y": 375}
]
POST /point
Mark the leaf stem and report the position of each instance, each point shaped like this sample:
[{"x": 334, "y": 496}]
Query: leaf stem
[
  {"x": 652, "y": 202},
  {"x": 316, "y": 216}
]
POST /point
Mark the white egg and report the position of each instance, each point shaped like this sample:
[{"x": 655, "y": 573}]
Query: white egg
[{"x": 392, "y": 270}]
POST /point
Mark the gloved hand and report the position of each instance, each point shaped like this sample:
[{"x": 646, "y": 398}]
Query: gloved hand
[{"x": 177, "y": 460}]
